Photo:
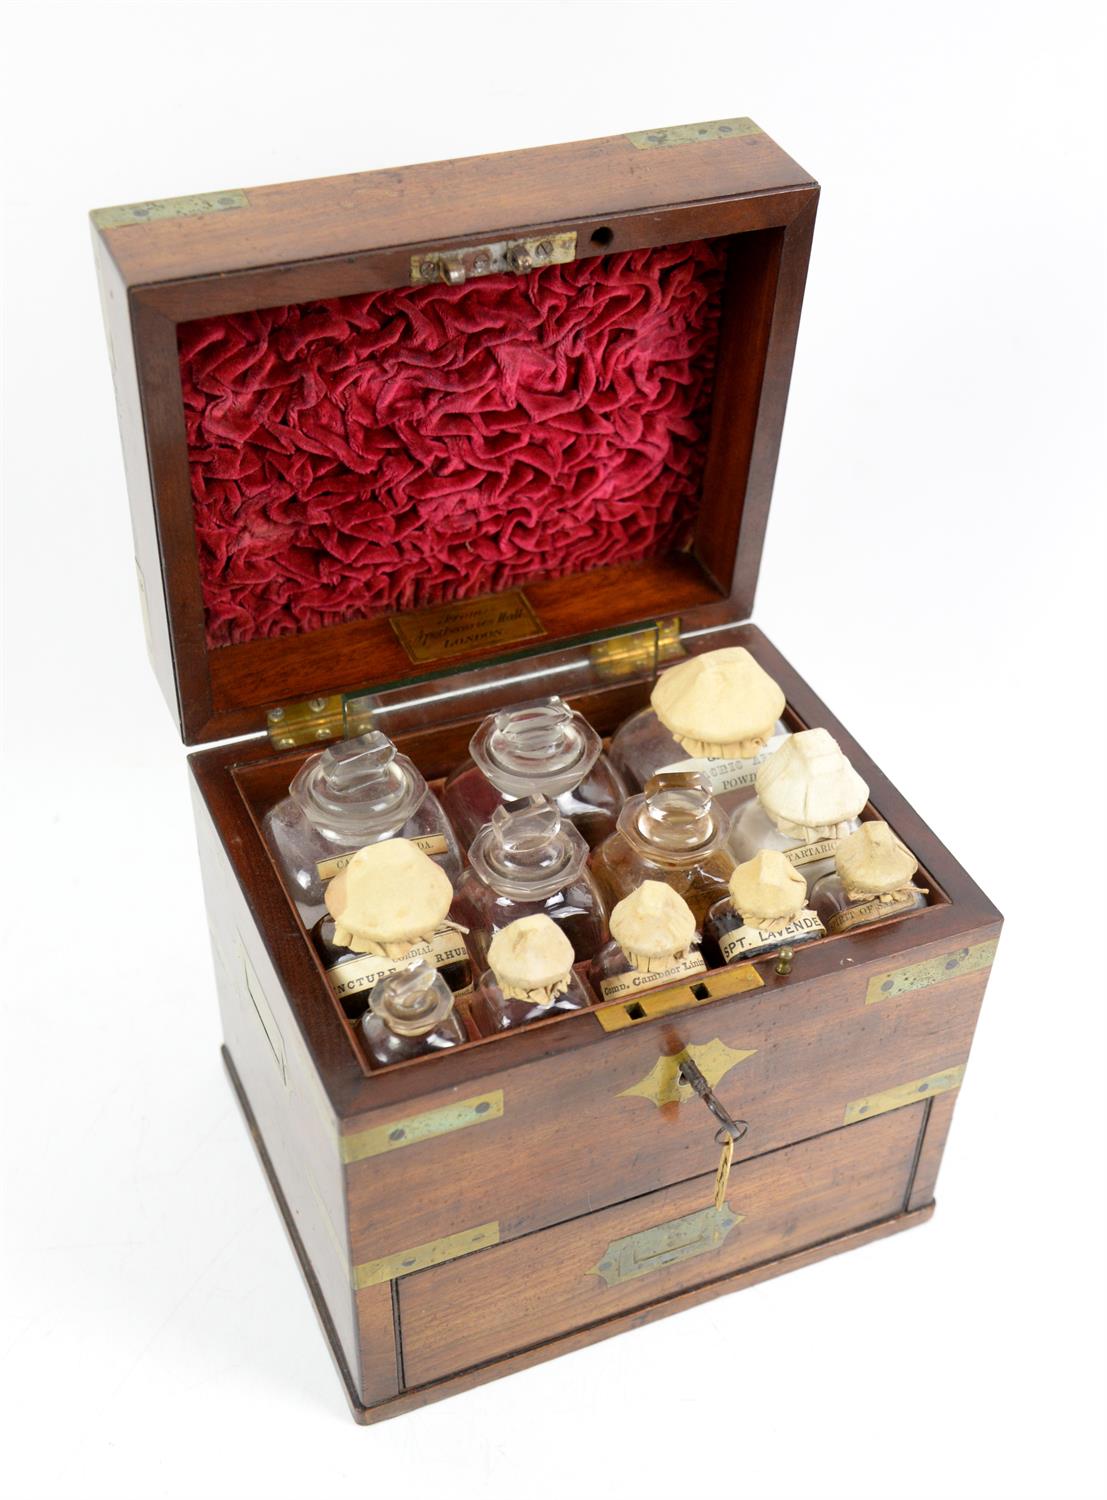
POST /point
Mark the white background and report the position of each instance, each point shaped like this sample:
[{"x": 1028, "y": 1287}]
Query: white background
[{"x": 940, "y": 447}]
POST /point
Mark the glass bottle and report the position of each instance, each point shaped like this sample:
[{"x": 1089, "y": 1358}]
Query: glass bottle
[
  {"x": 873, "y": 880},
  {"x": 674, "y": 832},
  {"x": 653, "y": 937},
  {"x": 524, "y": 861},
  {"x": 541, "y": 748},
  {"x": 808, "y": 799},
  {"x": 717, "y": 714},
  {"x": 411, "y": 1014},
  {"x": 530, "y": 977},
  {"x": 764, "y": 909},
  {"x": 354, "y": 793},
  {"x": 388, "y": 907}
]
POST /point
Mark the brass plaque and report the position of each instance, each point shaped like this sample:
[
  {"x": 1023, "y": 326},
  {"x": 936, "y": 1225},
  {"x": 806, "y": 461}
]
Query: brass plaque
[
  {"x": 425, "y": 1127},
  {"x": 931, "y": 971},
  {"x": 902, "y": 1094},
  {"x": 124, "y": 214},
  {"x": 663, "y": 1083},
  {"x": 469, "y": 625},
  {"x": 665, "y": 1002},
  {"x": 404, "y": 1262},
  {"x": 665, "y": 1245},
  {"x": 683, "y": 135}
]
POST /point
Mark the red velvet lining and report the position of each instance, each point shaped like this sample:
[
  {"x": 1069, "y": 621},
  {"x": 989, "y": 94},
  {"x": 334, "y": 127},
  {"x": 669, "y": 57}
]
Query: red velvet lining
[{"x": 417, "y": 445}]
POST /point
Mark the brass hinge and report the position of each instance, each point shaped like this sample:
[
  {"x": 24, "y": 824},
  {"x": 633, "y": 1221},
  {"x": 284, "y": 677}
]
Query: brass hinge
[
  {"x": 318, "y": 719},
  {"x": 519, "y": 256}
]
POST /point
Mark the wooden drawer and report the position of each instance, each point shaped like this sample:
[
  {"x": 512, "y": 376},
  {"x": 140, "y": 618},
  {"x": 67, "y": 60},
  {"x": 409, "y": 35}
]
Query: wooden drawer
[{"x": 516, "y": 1296}]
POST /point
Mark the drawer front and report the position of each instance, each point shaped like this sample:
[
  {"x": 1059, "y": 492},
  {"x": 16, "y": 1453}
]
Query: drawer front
[
  {"x": 515, "y": 1296},
  {"x": 571, "y": 1132}
]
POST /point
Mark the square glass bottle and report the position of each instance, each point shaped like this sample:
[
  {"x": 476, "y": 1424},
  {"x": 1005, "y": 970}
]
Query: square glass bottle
[
  {"x": 809, "y": 798},
  {"x": 873, "y": 880},
  {"x": 536, "y": 749},
  {"x": 529, "y": 977},
  {"x": 717, "y": 715},
  {"x": 764, "y": 910},
  {"x": 674, "y": 832},
  {"x": 354, "y": 793},
  {"x": 387, "y": 908},
  {"x": 527, "y": 861}
]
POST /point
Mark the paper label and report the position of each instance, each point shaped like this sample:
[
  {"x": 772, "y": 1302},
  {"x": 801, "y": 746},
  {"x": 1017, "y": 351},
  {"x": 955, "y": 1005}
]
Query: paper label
[
  {"x": 744, "y": 939},
  {"x": 447, "y": 946},
  {"x": 807, "y": 854},
  {"x": 869, "y": 911},
  {"x": 725, "y": 774},
  {"x": 430, "y": 843},
  {"x": 621, "y": 985}
]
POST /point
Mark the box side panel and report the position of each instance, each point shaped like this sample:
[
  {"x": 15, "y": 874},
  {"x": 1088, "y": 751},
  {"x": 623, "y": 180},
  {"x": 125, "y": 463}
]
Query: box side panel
[
  {"x": 136, "y": 465},
  {"x": 293, "y": 1119},
  {"x": 512, "y": 1297}
]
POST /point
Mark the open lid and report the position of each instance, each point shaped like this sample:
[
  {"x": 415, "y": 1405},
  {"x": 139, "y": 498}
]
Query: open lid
[{"x": 378, "y": 427}]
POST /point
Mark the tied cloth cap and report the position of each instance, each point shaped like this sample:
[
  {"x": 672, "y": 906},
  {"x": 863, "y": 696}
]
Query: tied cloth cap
[
  {"x": 767, "y": 891},
  {"x": 654, "y": 926},
  {"x": 873, "y": 862},
  {"x": 388, "y": 898},
  {"x": 532, "y": 959},
  {"x": 719, "y": 704},
  {"x": 809, "y": 788}
]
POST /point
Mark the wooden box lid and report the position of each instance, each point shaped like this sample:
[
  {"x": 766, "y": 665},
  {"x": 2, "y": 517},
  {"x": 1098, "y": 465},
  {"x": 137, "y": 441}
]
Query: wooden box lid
[{"x": 258, "y": 533}]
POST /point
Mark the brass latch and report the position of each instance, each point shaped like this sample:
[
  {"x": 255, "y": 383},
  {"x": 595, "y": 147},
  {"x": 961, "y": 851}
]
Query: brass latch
[{"x": 519, "y": 256}]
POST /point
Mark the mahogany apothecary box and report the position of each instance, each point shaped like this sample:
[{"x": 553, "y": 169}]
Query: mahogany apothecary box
[{"x": 408, "y": 446}]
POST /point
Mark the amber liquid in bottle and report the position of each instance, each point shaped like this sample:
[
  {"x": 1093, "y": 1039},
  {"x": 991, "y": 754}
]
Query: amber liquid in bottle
[{"x": 676, "y": 833}]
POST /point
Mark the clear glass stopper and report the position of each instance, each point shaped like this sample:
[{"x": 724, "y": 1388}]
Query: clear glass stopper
[
  {"x": 528, "y": 850},
  {"x": 678, "y": 811},
  {"x": 412, "y": 1001},
  {"x": 358, "y": 785},
  {"x": 541, "y": 747}
]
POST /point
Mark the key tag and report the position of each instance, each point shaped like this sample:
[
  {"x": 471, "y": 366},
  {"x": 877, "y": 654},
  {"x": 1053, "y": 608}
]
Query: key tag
[{"x": 722, "y": 1176}]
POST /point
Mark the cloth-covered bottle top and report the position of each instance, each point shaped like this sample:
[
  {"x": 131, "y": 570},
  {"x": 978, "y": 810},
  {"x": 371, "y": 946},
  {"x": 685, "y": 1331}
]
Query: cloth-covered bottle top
[
  {"x": 719, "y": 704},
  {"x": 873, "y": 862},
  {"x": 654, "y": 926},
  {"x": 767, "y": 890},
  {"x": 389, "y": 897},
  {"x": 809, "y": 788},
  {"x": 532, "y": 959}
]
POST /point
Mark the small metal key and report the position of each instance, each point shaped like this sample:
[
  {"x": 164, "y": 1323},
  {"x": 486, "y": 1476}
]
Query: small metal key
[{"x": 730, "y": 1129}]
